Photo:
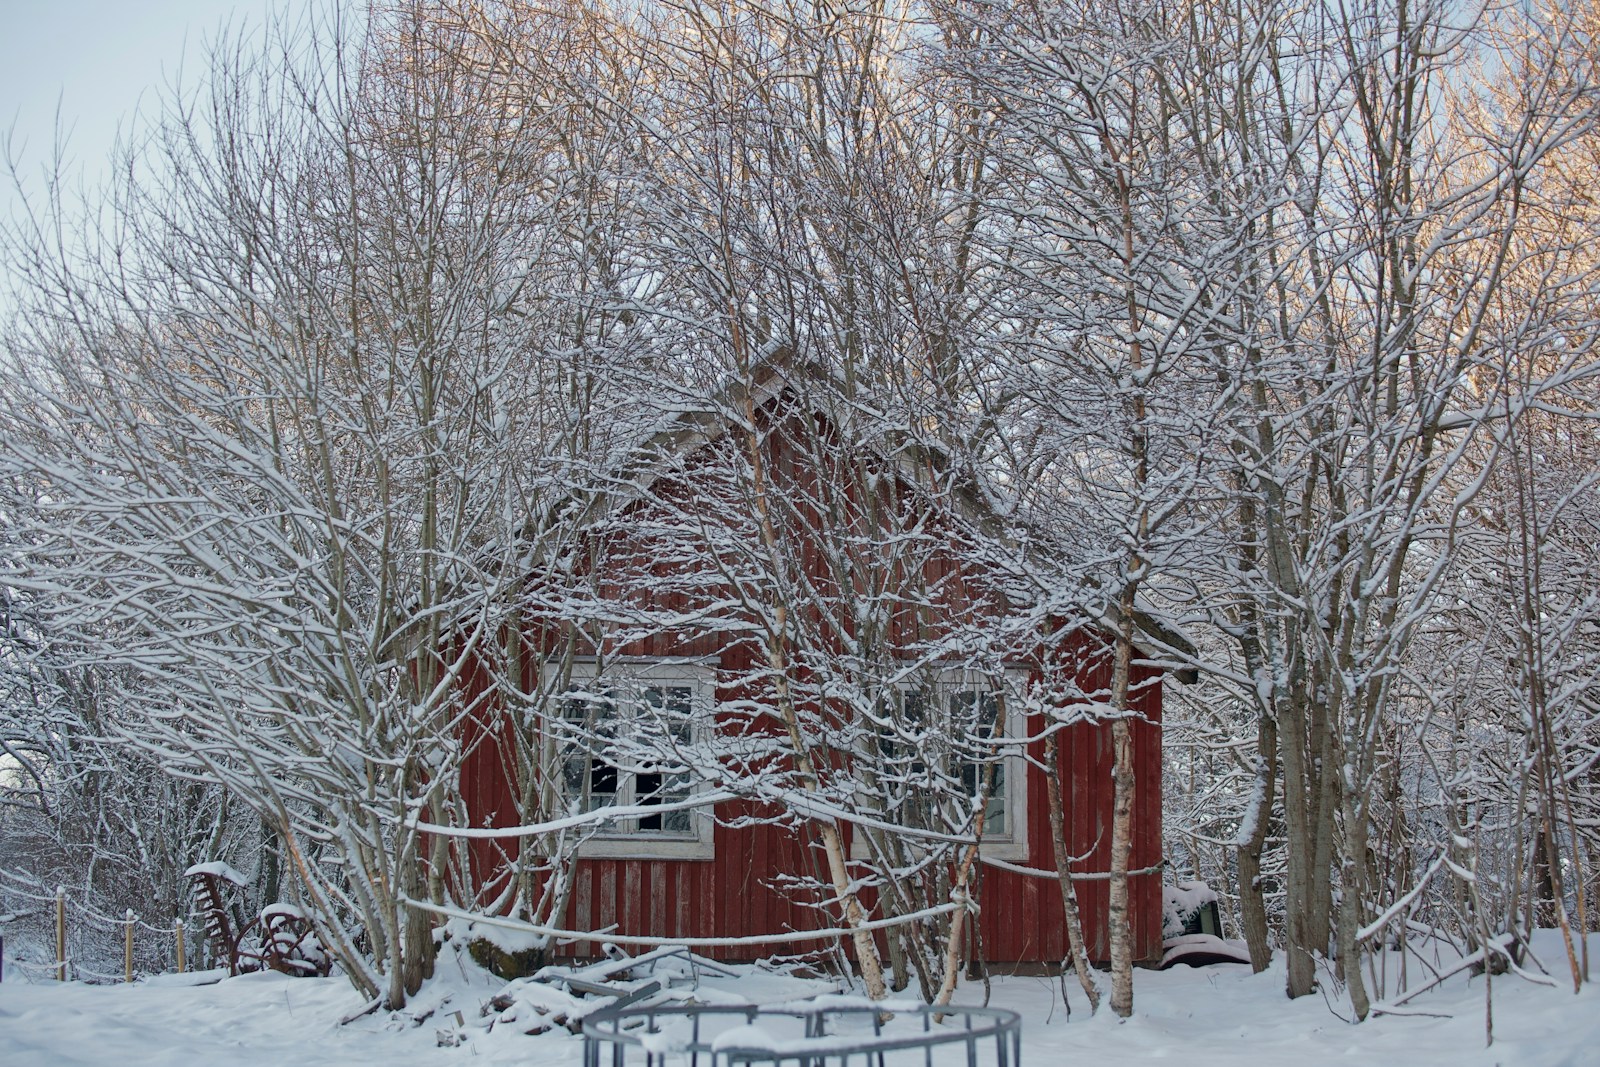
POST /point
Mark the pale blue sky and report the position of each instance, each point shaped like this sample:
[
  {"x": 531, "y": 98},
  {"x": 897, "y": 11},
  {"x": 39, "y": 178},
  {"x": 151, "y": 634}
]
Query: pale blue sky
[{"x": 98, "y": 59}]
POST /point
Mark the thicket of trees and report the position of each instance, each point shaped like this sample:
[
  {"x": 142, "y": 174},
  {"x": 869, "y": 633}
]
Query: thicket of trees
[{"x": 1274, "y": 324}]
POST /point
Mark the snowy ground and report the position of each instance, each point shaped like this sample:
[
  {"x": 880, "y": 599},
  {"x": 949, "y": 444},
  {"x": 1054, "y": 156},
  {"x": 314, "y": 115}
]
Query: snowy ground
[{"x": 1216, "y": 1015}]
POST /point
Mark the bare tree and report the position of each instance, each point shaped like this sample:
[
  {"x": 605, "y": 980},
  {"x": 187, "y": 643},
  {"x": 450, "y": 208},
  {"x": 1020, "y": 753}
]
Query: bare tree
[{"x": 288, "y": 415}]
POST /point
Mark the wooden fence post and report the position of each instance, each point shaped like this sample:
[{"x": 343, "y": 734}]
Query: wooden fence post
[
  {"x": 177, "y": 928},
  {"x": 127, "y": 946},
  {"x": 61, "y": 933}
]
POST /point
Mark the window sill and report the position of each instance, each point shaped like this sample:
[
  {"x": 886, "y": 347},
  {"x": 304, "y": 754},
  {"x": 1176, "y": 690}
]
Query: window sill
[
  {"x": 1001, "y": 848},
  {"x": 647, "y": 847}
]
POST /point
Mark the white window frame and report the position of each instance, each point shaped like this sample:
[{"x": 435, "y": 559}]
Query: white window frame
[
  {"x": 612, "y": 841},
  {"x": 1010, "y": 844}
]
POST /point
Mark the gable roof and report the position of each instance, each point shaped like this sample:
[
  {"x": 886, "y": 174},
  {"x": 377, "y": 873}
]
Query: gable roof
[
  {"x": 661, "y": 450},
  {"x": 686, "y": 429}
]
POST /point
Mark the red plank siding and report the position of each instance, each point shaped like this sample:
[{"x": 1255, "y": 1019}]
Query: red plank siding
[{"x": 732, "y": 895}]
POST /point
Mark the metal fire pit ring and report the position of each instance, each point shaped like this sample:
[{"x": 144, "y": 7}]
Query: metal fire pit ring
[{"x": 826, "y": 1032}]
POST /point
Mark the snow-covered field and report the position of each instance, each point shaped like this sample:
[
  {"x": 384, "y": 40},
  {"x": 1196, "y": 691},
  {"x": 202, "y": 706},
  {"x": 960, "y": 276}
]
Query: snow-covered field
[{"x": 1217, "y": 1015}]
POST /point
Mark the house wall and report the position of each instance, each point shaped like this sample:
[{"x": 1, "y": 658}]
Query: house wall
[
  {"x": 733, "y": 894},
  {"x": 1022, "y": 917}
]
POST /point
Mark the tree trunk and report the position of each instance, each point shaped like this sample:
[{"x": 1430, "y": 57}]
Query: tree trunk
[
  {"x": 959, "y": 893},
  {"x": 1069, "y": 895},
  {"x": 1300, "y": 935},
  {"x": 1121, "y": 847},
  {"x": 1252, "y": 900},
  {"x": 1353, "y": 891}
]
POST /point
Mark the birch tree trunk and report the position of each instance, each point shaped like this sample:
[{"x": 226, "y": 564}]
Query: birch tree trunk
[
  {"x": 1061, "y": 849},
  {"x": 1123, "y": 785}
]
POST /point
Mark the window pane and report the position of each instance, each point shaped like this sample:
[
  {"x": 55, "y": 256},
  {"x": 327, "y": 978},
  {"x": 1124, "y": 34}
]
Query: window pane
[
  {"x": 977, "y": 713},
  {"x": 602, "y": 784},
  {"x": 647, "y": 790},
  {"x": 904, "y": 744},
  {"x": 972, "y": 779},
  {"x": 642, "y": 727},
  {"x": 575, "y": 778},
  {"x": 588, "y": 779}
]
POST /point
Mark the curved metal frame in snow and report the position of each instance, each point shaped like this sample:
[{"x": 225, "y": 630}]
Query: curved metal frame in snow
[{"x": 718, "y": 1035}]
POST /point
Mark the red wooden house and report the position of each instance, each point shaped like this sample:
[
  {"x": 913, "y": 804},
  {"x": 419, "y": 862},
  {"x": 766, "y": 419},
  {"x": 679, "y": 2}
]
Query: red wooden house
[{"x": 668, "y": 646}]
